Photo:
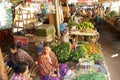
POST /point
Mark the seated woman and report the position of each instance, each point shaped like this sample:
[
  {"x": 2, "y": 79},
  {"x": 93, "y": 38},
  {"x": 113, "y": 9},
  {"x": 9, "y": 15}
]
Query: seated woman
[
  {"x": 18, "y": 55},
  {"x": 49, "y": 67},
  {"x": 21, "y": 72}
]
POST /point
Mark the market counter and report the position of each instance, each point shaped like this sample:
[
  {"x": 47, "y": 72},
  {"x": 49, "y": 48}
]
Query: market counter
[
  {"x": 84, "y": 33},
  {"x": 81, "y": 36},
  {"x": 111, "y": 25}
]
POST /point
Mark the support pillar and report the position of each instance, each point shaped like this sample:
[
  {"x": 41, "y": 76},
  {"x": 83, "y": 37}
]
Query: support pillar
[{"x": 3, "y": 74}]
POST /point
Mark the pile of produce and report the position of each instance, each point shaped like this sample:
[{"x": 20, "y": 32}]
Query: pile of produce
[
  {"x": 80, "y": 53},
  {"x": 113, "y": 13},
  {"x": 84, "y": 50},
  {"x": 62, "y": 51},
  {"x": 72, "y": 23},
  {"x": 98, "y": 58},
  {"x": 87, "y": 30},
  {"x": 91, "y": 76},
  {"x": 93, "y": 48},
  {"x": 84, "y": 25}
]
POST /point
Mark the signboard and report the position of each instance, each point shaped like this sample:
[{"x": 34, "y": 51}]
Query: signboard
[{"x": 21, "y": 41}]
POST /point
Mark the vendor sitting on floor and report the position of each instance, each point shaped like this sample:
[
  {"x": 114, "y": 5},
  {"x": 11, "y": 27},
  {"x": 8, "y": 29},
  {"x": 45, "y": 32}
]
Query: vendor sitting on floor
[
  {"x": 49, "y": 67},
  {"x": 18, "y": 55},
  {"x": 21, "y": 72}
]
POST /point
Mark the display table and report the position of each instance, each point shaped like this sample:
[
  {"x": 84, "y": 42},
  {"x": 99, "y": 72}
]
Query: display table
[
  {"x": 111, "y": 25},
  {"x": 84, "y": 34},
  {"x": 94, "y": 68},
  {"x": 80, "y": 36}
]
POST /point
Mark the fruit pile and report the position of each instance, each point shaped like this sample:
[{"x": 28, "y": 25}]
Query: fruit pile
[
  {"x": 84, "y": 25},
  {"x": 93, "y": 48},
  {"x": 87, "y": 30}
]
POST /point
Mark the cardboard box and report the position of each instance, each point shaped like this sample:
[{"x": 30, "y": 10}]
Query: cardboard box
[{"x": 45, "y": 30}]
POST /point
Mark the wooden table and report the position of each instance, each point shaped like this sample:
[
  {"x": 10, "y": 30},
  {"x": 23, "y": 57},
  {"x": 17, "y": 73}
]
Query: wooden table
[
  {"x": 84, "y": 34},
  {"x": 80, "y": 36},
  {"x": 111, "y": 25}
]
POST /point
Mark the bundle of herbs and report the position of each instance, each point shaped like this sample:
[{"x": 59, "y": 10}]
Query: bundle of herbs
[
  {"x": 91, "y": 76},
  {"x": 62, "y": 51},
  {"x": 80, "y": 53}
]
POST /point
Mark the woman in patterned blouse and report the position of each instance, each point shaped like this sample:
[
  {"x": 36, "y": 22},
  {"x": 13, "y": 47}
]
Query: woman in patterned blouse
[
  {"x": 18, "y": 55},
  {"x": 49, "y": 67},
  {"x": 21, "y": 72}
]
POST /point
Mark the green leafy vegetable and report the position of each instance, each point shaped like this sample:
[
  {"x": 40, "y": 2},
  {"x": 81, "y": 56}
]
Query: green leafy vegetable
[
  {"x": 84, "y": 25},
  {"x": 92, "y": 76},
  {"x": 97, "y": 57},
  {"x": 62, "y": 51},
  {"x": 81, "y": 53}
]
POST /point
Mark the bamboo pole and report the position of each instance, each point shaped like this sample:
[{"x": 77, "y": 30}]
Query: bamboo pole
[
  {"x": 57, "y": 17},
  {"x": 3, "y": 74}
]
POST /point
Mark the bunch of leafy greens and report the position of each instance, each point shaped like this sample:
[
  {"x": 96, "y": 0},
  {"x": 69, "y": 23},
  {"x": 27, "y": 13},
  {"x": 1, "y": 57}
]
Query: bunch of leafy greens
[
  {"x": 92, "y": 76},
  {"x": 85, "y": 25},
  {"x": 62, "y": 51},
  {"x": 80, "y": 53},
  {"x": 113, "y": 13},
  {"x": 97, "y": 57}
]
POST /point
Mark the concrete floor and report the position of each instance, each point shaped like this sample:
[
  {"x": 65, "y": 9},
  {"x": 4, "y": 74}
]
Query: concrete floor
[{"x": 110, "y": 46}]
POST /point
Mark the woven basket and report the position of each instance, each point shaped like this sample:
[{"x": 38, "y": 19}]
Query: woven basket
[{"x": 93, "y": 40}]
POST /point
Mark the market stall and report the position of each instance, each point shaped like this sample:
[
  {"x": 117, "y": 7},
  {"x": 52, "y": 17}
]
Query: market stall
[
  {"x": 37, "y": 21},
  {"x": 112, "y": 15},
  {"x": 86, "y": 60}
]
